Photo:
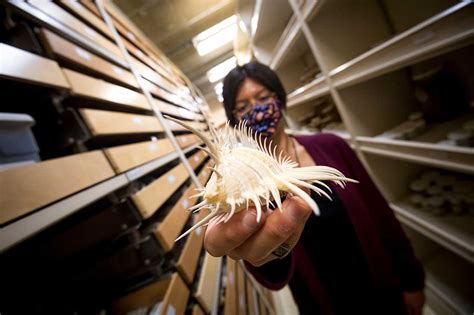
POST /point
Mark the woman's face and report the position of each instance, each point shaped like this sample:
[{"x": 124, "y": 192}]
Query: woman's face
[{"x": 250, "y": 94}]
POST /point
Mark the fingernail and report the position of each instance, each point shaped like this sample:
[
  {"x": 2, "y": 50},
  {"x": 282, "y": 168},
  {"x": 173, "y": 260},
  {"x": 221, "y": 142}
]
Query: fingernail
[
  {"x": 250, "y": 220},
  {"x": 295, "y": 212}
]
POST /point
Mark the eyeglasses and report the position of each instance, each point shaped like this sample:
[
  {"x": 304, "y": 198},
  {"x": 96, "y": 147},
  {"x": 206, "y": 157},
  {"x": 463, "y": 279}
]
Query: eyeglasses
[{"x": 244, "y": 106}]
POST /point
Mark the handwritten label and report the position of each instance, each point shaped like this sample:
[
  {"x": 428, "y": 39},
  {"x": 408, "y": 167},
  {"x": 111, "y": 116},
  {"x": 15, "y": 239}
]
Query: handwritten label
[
  {"x": 82, "y": 53},
  {"x": 137, "y": 120},
  {"x": 139, "y": 53},
  {"x": 130, "y": 36},
  {"x": 185, "y": 204},
  {"x": 117, "y": 70},
  {"x": 76, "y": 5},
  {"x": 90, "y": 31},
  {"x": 171, "y": 178}
]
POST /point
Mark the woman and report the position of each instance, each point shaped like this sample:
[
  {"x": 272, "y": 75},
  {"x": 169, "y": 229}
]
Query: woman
[{"x": 353, "y": 258}]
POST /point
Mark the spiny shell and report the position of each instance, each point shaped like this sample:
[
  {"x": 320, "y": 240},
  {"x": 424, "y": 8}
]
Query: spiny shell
[{"x": 248, "y": 172}]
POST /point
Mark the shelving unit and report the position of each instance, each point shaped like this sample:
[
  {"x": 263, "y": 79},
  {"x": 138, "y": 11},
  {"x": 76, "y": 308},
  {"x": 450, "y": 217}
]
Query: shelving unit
[
  {"x": 100, "y": 212},
  {"x": 373, "y": 59}
]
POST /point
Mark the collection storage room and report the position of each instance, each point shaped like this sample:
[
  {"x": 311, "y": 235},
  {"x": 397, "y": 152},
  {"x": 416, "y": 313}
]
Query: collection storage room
[{"x": 237, "y": 157}]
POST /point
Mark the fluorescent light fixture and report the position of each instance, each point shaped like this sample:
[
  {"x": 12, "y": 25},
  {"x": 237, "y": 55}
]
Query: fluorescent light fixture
[
  {"x": 216, "y": 36},
  {"x": 218, "y": 72},
  {"x": 218, "y": 89}
]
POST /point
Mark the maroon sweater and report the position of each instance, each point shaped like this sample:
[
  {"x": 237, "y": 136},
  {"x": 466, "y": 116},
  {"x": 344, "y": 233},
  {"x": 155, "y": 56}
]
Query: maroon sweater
[{"x": 391, "y": 263}]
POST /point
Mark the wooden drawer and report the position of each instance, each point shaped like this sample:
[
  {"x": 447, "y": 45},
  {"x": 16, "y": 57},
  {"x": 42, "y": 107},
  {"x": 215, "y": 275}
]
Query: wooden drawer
[
  {"x": 170, "y": 293},
  {"x": 91, "y": 6},
  {"x": 89, "y": 87},
  {"x": 197, "y": 158},
  {"x": 172, "y": 225},
  {"x": 20, "y": 65},
  {"x": 197, "y": 310},
  {"x": 155, "y": 90},
  {"x": 74, "y": 238},
  {"x": 102, "y": 122},
  {"x": 75, "y": 54},
  {"x": 185, "y": 141},
  {"x": 88, "y": 16},
  {"x": 208, "y": 285},
  {"x": 205, "y": 173},
  {"x": 150, "y": 198},
  {"x": 268, "y": 296},
  {"x": 262, "y": 306},
  {"x": 176, "y": 110},
  {"x": 188, "y": 260},
  {"x": 230, "y": 307},
  {"x": 241, "y": 296},
  {"x": 26, "y": 188},
  {"x": 175, "y": 126},
  {"x": 125, "y": 157},
  {"x": 198, "y": 125},
  {"x": 75, "y": 24},
  {"x": 252, "y": 300}
]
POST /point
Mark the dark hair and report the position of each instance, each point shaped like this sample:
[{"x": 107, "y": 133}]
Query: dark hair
[{"x": 253, "y": 70}]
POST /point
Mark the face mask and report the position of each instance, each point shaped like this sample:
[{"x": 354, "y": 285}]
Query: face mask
[{"x": 264, "y": 118}]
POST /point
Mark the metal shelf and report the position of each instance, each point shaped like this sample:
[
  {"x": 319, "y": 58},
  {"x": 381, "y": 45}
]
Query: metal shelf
[
  {"x": 287, "y": 39},
  {"x": 452, "y": 158},
  {"x": 19, "y": 230},
  {"x": 444, "y": 32},
  {"x": 45, "y": 20},
  {"x": 36, "y": 222},
  {"x": 453, "y": 289},
  {"x": 317, "y": 88},
  {"x": 455, "y": 233}
]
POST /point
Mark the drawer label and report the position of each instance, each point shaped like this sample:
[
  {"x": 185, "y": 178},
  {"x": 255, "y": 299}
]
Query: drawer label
[
  {"x": 130, "y": 35},
  {"x": 90, "y": 31},
  {"x": 82, "y": 53},
  {"x": 117, "y": 70},
  {"x": 198, "y": 231},
  {"x": 171, "y": 178},
  {"x": 137, "y": 120},
  {"x": 185, "y": 204}
]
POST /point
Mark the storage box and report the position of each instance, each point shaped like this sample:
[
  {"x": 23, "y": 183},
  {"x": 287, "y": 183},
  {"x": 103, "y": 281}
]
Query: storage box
[{"x": 17, "y": 142}]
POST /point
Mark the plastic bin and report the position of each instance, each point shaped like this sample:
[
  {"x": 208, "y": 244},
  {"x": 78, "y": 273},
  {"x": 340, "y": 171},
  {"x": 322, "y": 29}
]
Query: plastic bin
[{"x": 17, "y": 143}]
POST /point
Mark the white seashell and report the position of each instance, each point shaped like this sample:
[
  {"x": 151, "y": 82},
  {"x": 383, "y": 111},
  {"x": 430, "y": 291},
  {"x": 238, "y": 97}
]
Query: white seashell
[{"x": 247, "y": 172}]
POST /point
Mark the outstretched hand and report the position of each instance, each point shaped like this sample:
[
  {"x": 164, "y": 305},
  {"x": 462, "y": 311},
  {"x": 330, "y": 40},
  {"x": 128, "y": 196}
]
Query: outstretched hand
[{"x": 242, "y": 237}]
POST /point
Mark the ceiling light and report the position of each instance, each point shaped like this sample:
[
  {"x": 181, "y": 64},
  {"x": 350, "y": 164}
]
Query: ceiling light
[
  {"x": 218, "y": 89},
  {"x": 218, "y": 72},
  {"x": 216, "y": 36}
]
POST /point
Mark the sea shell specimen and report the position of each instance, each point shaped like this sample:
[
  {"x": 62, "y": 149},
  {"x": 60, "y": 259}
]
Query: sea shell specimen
[{"x": 248, "y": 171}]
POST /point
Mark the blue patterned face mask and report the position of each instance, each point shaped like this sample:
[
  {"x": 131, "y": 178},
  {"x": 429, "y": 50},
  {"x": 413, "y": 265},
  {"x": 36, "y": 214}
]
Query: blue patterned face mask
[{"x": 264, "y": 118}]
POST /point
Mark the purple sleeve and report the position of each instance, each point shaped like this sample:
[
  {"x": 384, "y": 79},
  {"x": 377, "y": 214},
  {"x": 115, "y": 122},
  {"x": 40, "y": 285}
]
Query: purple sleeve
[
  {"x": 406, "y": 265},
  {"x": 275, "y": 274}
]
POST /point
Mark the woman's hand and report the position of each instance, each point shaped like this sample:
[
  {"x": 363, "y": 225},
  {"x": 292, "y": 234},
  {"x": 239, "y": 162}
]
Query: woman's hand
[
  {"x": 414, "y": 302},
  {"x": 243, "y": 238}
]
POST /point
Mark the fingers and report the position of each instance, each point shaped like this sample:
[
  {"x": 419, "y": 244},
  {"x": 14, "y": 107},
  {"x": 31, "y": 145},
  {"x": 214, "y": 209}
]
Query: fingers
[
  {"x": 280, "y": 226},
  {"x": 223, "y": 237}
]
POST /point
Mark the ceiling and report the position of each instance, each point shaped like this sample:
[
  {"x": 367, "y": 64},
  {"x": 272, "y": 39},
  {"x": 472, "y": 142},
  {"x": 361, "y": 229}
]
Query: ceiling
[{"x": 171, "y": 25}]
